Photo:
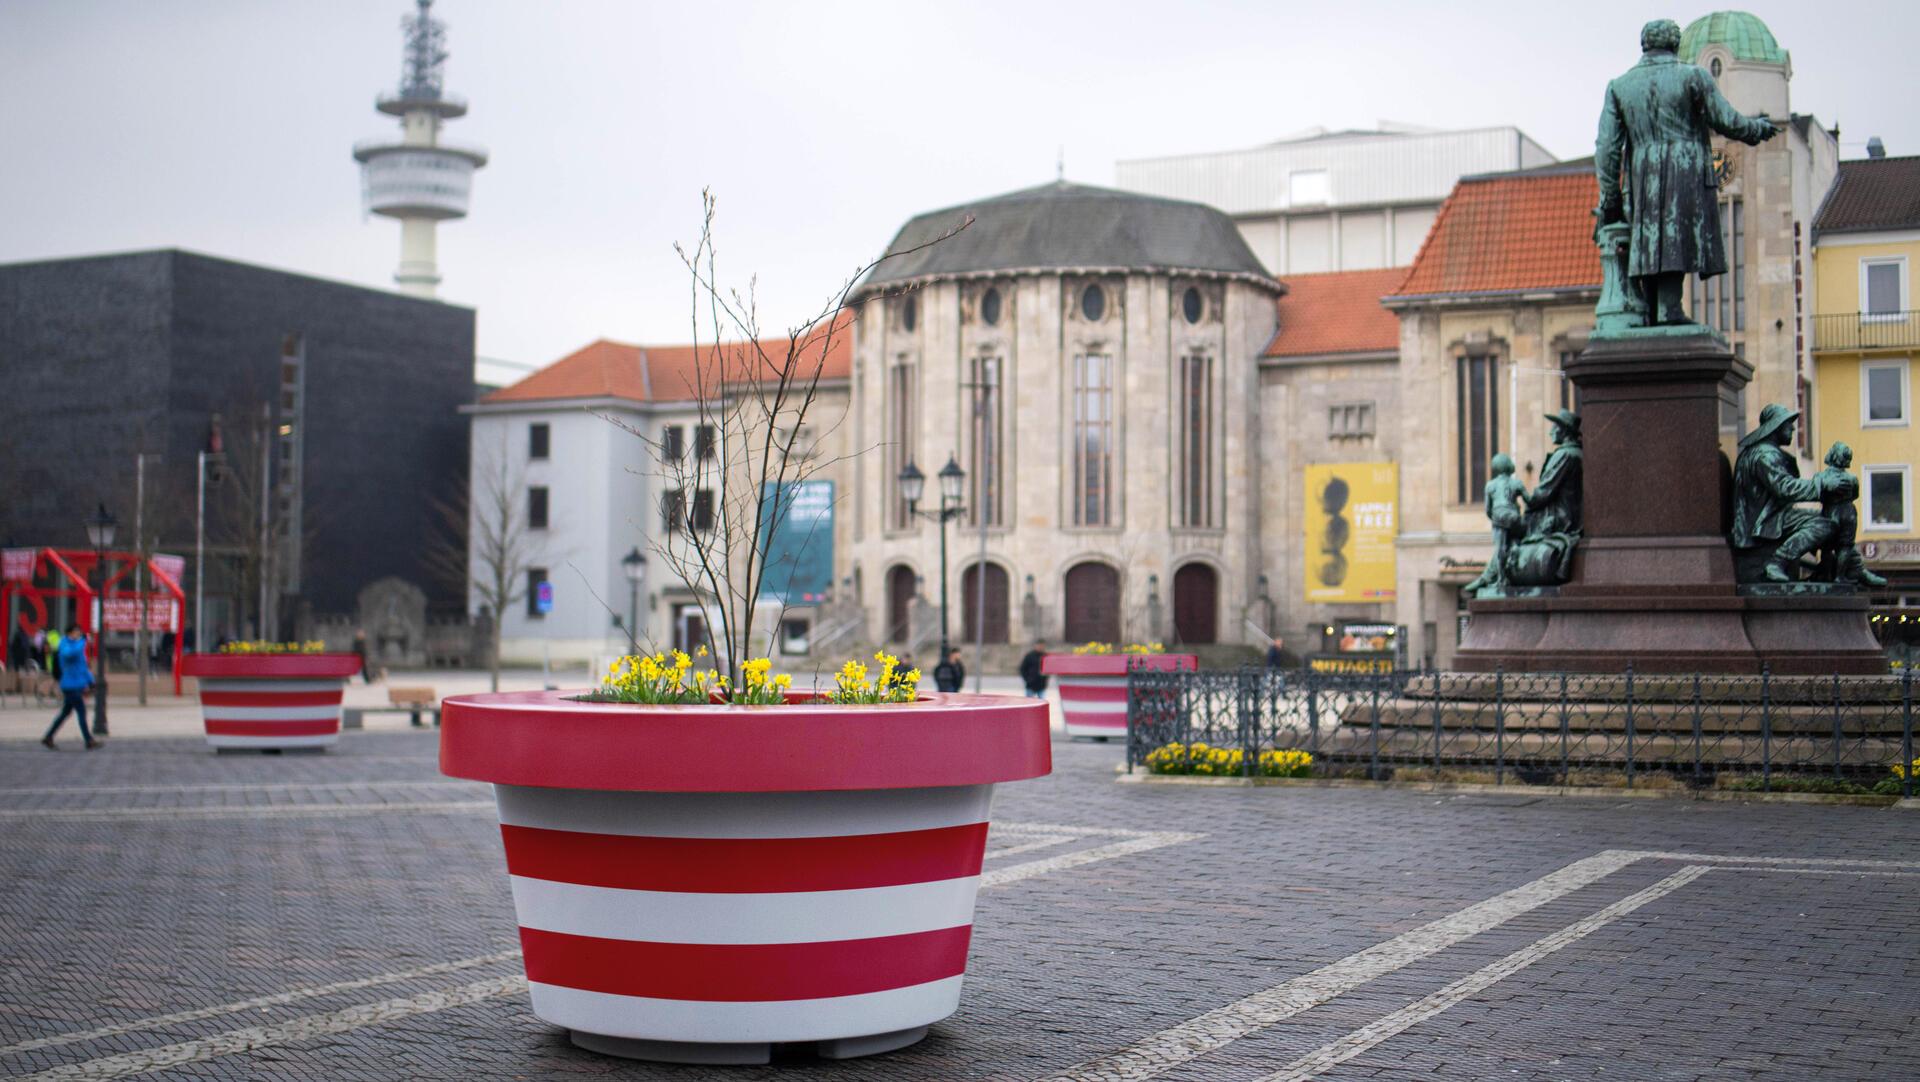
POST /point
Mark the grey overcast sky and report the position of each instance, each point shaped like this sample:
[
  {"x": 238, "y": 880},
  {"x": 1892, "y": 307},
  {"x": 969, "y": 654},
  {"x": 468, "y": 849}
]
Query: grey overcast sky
[{"x": 226, "y": 126}]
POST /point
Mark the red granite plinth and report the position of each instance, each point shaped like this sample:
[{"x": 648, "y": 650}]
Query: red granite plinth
[{"x": 1653, "y": 581}]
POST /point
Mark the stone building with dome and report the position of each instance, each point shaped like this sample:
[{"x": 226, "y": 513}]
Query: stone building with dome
[{"x": 1090, "y": 358}]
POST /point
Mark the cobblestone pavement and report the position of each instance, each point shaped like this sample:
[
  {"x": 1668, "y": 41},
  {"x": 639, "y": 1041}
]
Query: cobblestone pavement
[{"x": 172, "y": 914}]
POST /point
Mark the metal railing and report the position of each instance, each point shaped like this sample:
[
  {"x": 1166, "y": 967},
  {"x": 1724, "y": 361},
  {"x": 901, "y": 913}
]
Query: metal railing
[
  {"x": 1819, "y": 733},
  {"x": 1867, "y": 330}
]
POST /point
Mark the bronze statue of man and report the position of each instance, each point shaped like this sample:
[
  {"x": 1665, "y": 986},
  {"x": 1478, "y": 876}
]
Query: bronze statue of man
[{"x": 1654, "y": 126}]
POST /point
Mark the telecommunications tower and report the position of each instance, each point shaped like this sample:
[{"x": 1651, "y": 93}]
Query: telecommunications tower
[{"x": 419, "y": 179}]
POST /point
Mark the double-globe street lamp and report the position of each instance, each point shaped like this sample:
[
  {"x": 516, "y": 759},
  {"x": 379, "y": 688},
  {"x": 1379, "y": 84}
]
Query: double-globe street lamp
[
  {"x": 634, "y": 566},
  {"x": 953, "y": 482},
  {"x": 100, "y": 536}
]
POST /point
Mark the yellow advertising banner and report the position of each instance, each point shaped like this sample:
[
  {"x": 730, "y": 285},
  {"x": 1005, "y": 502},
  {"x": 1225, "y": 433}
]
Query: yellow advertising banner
[{"x": 1352, "y": 515}]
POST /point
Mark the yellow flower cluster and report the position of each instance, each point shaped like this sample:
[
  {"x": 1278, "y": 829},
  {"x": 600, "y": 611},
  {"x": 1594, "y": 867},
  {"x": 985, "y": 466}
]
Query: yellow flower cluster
[
  {"x": 760, "y": 686},
  {"x": 665, "y": 677},
  {"x": 258, "y": 646},
  {"x": 1208, "y": 761},
  {"x": 1286, "y": 763},
  {"x": 1196, "y": 758},
  {"x": 852, "y": 686},
  {"x": 1902, "y": 771},
  {"x": 1130, "y": 648}
]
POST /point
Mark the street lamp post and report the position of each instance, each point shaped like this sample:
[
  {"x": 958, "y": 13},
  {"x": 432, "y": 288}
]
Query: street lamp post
[
  {"x": 953, "y": 481},
  {"x": 100, "y": 536},
  {"x": 634, "y": 566}
]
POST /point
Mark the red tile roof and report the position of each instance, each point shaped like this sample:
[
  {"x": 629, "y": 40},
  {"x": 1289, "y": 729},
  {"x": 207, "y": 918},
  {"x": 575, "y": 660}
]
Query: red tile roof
[
  {"x": 1337, "y": 313},
  {"x": 608, "y": 369},
  {"x": 1512, "y": 232},
  {"x": 1872, "y": 193}
]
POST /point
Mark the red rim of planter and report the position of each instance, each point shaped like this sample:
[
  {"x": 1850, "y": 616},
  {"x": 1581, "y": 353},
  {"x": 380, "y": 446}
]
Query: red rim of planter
[
  {"x": 255, "y": 666},
  {"x": 553, "y": 740},
  {"x": 1115, "y": 664}
]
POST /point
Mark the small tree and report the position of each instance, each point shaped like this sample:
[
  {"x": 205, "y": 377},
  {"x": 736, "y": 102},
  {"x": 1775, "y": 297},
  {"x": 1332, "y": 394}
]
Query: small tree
[
  {"x": 498, "y": 548},
  {"x": 754, "y": 396}
]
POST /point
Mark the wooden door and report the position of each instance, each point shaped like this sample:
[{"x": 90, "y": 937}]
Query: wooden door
[
  {"x": 1196, "y": 604},
  {"x": 996, "y": 609},
  {"x": 899, "y": 603},
  {"x": 1092, "y": 609}
]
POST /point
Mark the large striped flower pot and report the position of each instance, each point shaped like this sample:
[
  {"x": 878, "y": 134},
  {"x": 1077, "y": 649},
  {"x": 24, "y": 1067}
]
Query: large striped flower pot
[
  {"x": 271, "y": 701},
  {"x": 1093, "y": 687},
  {"x": 700, "y": 883}
]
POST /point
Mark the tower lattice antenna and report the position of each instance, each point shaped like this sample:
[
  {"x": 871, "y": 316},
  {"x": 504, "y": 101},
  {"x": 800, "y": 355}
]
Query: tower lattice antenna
[{"x": 426, "y": 54}]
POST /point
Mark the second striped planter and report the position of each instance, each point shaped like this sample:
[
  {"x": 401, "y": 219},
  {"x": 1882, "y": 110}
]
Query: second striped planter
[
  {"x": 1093, "y": 687},
  {"x": 270, "y": 702},
  {"x": 813, "y": 885}
]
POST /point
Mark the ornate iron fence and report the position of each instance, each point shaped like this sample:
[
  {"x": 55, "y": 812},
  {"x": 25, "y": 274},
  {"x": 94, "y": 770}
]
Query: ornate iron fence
[{"x": 1697, "y": 730}]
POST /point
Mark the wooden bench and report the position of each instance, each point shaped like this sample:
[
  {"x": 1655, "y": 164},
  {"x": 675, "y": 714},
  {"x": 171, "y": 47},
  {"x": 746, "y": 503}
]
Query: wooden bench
[{"x": 412, "y": 701}]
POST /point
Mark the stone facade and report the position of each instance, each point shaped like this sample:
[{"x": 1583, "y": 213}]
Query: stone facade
[{"x": 920, "y": 343}]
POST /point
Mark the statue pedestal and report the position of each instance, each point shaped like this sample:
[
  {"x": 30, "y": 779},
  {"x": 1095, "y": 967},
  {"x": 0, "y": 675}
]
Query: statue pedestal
[{"x": 1653, "y": 580}]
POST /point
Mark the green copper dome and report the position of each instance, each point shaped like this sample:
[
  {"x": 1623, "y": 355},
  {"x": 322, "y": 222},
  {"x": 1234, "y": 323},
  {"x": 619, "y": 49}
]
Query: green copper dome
[{"x": 1743, "y": 35}]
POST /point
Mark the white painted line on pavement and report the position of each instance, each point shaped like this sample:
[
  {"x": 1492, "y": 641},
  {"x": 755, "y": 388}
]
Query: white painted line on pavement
[
  {"x": 1715, "y": 858},
  {"x": 1171, "y": 1047},
  {"x": 276, "y": 999},
  {"x": 1366, "y": 1037},
  {"x": 1038, "y": 841},
  {"x": 1141, "y": 843},
  {"x": 299, "y": 1029}
]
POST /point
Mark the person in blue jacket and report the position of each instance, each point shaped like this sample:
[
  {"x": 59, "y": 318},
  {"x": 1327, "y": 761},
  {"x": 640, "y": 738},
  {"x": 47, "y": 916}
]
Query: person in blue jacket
[{"x": 75, "y": 679}]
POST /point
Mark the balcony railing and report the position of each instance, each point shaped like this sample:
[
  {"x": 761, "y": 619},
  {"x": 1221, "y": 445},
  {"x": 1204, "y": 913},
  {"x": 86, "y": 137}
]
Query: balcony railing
[{"x": 1867, "y": 330}]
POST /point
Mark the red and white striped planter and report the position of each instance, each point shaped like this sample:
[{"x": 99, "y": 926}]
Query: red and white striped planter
[
  {"x": 699, "y": 883},
  {"x": 271, "y": 701},
  {"x": 1093, "y": 687}
]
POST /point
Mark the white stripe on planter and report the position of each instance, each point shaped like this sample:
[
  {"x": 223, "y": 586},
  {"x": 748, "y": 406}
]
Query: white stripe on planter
[
  {"x": 318, "y": 740},
  {"x": 217, "y": 683},
  {"x": 322, "y": 712},
  {"x": 669, "y": 917},
  {"x": 740, "y": 815},
  {"x": 747, "y": 1022}
]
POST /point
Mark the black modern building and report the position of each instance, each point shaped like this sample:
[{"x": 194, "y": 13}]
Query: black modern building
[{"x": 336, "y": 405}]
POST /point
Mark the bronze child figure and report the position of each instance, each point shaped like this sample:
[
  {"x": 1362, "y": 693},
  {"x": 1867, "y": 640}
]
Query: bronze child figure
[
  {"x": 1838, "y": 491},
  {"x": 1503, "y": 495}
]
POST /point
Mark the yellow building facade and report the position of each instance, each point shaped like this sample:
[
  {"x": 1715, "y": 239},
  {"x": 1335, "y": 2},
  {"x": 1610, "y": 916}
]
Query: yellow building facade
[{"x": 1866, "y": 345}]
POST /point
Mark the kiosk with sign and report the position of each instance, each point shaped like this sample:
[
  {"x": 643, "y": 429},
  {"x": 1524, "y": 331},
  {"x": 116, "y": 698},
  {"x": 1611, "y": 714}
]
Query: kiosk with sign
[{"x": 1353, "y": 647}]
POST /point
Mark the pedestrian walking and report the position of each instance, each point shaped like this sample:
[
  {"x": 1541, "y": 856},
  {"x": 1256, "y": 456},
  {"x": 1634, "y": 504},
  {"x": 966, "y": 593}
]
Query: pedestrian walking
[
  {"x": 1030, "y": 673},
  {"x": 366, "y": 663},
  {"x": 1276, "y": 657},
  {"x": 950, "y": 674},
  {"x": 75, "y": 679}
]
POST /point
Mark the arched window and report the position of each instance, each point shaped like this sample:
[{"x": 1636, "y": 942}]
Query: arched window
[
  {"x": 1092, "y": 609},
  {"x": 1196, "y": 604},
  {"x": 995, "y": 625},
  {"x": 900, "y": 591}
]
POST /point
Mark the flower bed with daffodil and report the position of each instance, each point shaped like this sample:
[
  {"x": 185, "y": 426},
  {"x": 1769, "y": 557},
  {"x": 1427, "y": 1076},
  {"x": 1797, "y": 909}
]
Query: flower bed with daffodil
[
  {"x": 1204, "y": 760},
  {"x": 671, "y": 832},
  {"x": 271, "y": 696},
  {"x": 671, "y": 678}
]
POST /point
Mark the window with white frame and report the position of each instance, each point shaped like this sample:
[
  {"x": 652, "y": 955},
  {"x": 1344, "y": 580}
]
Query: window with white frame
[
  {"x": 1883, "y": 288},
  {"x": 1883, "y": 393},
  {"x": 1889, "y": 497}
]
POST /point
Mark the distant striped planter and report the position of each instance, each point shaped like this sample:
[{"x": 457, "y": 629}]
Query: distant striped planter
[
  {"x": 271, "y": 701},
  {"x": 698, "y": 884},
  {"x": 1093, "y": 687}
]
